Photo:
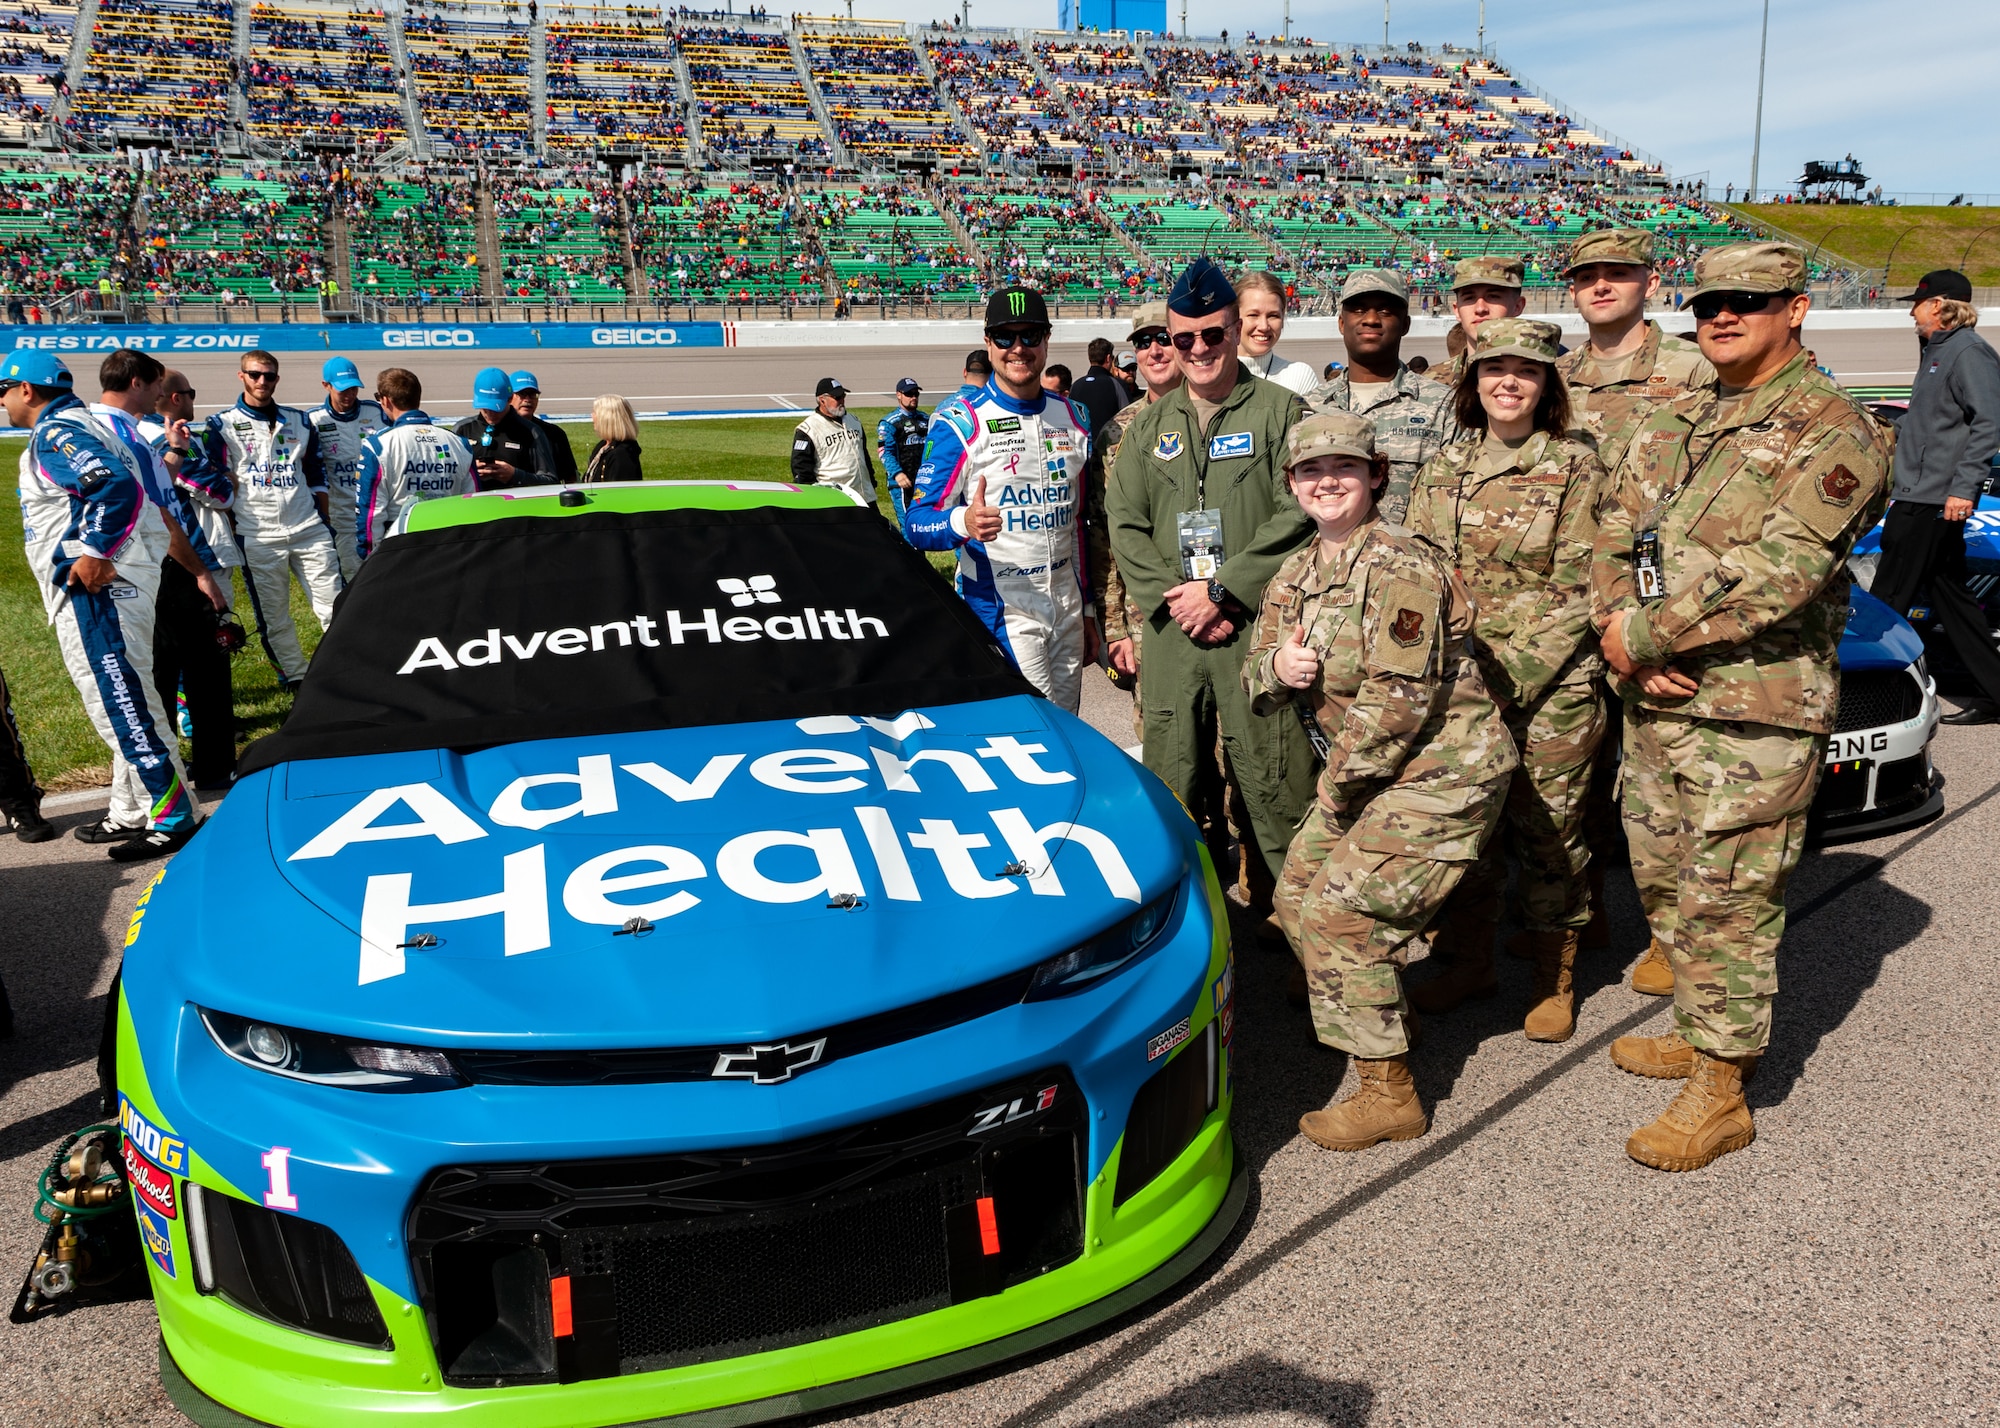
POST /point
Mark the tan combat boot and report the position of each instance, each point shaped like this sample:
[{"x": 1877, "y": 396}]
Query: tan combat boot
[
  {"x": 1655, "y": 973},
  {"x": 1665, "y": 1058},
  {"x": 1384, "y": 1106},
  {"x": 1708, "y": 1119},
  {"x": 1553, "y": 1016},
  {"x": 1466, "y": 948}
]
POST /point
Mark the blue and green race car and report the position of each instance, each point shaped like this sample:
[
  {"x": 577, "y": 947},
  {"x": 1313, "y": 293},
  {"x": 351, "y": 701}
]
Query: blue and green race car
[{"x": 668, "y": 964}]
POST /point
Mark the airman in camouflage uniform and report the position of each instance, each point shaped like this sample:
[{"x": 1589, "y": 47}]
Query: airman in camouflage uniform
[
  {"x": 1720, "y": 586},
  {"x": 1609, "y": 397},
  {"x": 1518, "y": 522},
  {"x": 1416, "y": 770},
  {"x": 1482, "y": 290},
  {"x": 1411, "y": 413}
]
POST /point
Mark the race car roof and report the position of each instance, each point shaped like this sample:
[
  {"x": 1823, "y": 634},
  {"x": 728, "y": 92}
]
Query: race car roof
[{"x": 497, "y": 619}]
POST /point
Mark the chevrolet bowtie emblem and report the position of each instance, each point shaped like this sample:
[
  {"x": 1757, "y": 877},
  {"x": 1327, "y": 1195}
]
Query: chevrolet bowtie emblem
[{"x": 770, "y": 1063}]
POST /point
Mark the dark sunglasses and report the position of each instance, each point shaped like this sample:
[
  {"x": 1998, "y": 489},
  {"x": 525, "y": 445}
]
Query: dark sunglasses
[
  {"x": 1210, "y": 337},
  {"x": 1027, "y": 336},
  {"x": 259, "y": 375},
  {"x": 1148, "y": 339},
  {"x": 1742, "y": 304}
]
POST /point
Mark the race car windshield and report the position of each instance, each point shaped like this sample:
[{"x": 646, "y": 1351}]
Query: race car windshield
[{"x": 533, "y": 627}]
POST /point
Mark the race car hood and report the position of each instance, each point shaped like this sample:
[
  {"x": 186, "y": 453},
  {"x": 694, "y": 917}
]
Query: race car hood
[
  {"x": 1876, "y": 637},
  {"x": 785, "y": 876}
]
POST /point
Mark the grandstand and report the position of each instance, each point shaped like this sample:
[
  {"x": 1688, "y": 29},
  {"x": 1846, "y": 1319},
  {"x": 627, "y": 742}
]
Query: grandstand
[
  {"x": 612, "y": 82},
  {"x": 471, "y": 67},
  {"x": 322, "y": 73},
  {"x": 35, "y": 44},
  {"x": 1011, "y": 111},
  {"x": 883, "y": 106},
  {"x": 560, "y": 239},
  {"x": 744, "y": 243},
  {"x": 157, "y": 69},
  {"x": 751, "y": 98},
  {"x": 889, "y": 244}
]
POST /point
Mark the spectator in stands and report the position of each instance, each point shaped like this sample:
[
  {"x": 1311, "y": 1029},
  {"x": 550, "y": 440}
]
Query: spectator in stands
[
  {"x": 503, "y": 445},
  {"x": 1100, "y": 391},
  {"x": 1944, "y": 447},
  {"x": 828, "y": 447},
  {"x": 978, "y": 372},
  {"x": 1055, "y": 378},
  {"x": 1412, "y": 414},
  {"x": 899, "y": 442},
  {"x": 552, "y": 449},
  {"x": 1481, "y": 290},
  {"x": 616, "y": 456},
  {"x": 1261, "y": 299}
]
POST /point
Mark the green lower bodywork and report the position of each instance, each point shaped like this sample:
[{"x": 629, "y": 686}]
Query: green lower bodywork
[{"x": 225, "y": 1366}]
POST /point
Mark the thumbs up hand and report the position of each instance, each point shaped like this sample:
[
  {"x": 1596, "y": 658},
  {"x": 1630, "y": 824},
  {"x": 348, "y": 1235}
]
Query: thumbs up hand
[
  {"x": 982, "y": 522},
  {"x": 1294, "y": 662}
]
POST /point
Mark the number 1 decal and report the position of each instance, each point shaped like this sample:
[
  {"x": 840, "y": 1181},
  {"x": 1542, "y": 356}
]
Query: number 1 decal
[{"x": 278, "y": 1160}]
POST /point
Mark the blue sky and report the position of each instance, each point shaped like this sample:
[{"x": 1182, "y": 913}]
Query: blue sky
[{"x": 1678, "y": 78}]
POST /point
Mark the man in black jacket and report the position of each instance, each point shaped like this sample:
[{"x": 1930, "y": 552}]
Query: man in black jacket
[
  {"x": 504, "y": 450},
  {"x": 552, "y": 449},
  {"x": 1100, "y": 391},
  {"x": 1944, "y": 447}
]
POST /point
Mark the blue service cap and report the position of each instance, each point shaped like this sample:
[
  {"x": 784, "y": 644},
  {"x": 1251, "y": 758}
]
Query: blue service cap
[
  {"x": 40, "y": 369},
  {"x": 340, "y": 374},
  {"x": 491, "y": 389},
  {"x": 524, "y": 381},
  {"x": 1200, "y": 290}
]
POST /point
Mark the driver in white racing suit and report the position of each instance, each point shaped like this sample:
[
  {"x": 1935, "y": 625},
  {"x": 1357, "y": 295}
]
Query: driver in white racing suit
[
  {"x": 1002, "y": 484},
  {"x": 343, "y": 421}
]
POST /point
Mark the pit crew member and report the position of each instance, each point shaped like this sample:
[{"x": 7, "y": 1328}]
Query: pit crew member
[
  {"x": 343, "y": 421},
  {"x": 412, "y": 459}
]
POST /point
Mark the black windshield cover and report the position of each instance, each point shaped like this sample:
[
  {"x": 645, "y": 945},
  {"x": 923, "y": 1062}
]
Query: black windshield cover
[{"x": 537, "y": 627}]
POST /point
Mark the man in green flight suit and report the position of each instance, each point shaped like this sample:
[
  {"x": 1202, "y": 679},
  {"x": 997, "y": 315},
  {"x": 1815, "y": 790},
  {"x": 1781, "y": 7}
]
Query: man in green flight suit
[{"x": 1200, "y": 519}]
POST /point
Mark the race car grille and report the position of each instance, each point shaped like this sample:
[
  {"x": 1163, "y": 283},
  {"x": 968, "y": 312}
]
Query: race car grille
[
  {"x": 562, "y": 1271},
  {"x": 1870, "y": 698},
  {"x": 1167, "y": 1114}
]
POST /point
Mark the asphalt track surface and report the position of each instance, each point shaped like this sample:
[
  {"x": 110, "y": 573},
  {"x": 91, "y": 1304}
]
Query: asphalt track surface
[
  {"x": 739, "y": 381},
  {"x": 1512, "y": 1266}
]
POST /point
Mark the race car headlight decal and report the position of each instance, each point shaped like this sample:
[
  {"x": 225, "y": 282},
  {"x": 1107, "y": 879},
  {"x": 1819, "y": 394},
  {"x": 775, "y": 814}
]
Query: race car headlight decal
[
  {"x": 329, "y": 1060},
  {"x": 1111, "y": 951}
]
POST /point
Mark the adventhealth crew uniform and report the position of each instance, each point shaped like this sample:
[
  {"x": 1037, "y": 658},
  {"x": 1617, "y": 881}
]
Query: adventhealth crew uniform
[
  {"x": 82, "y": 493},
  {"x": 1725, "y": 538},
  {"x": 275, "y": 460},
  {"x": 1169, "y": 466},
  {"x": 902, "y": 435},
  {"x": 1413, "y": 421},
  {"x": 410, "y": 461},
  {"x": 340, "y": 437},
  {"x": 833, "y": 453},
  {"x": 1027, "y": 584}
]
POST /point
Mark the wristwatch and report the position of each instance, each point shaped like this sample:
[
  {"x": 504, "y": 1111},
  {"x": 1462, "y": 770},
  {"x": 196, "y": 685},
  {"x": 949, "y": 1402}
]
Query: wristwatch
[{"x": 1219, "y": 596}]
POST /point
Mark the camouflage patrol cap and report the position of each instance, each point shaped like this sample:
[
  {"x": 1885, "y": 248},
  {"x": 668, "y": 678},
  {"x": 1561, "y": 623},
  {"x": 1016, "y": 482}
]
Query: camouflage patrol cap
[
  {"x": 1147, "y": 315},
  {"x": 1517, "y": 337},
  {"x": 1612, "y": 245},
  {"x": 1750, "y": 268},
  {"x": 1330, "y": 434},
  {"x": 1492, "y": 270},
  {"x": 1375, "y": 280}
]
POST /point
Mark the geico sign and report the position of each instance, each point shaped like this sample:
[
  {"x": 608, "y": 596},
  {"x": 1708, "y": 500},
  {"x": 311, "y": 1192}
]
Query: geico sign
[
  {"x": 429, "y": 337},
  {"x": 634, "y": 337}
]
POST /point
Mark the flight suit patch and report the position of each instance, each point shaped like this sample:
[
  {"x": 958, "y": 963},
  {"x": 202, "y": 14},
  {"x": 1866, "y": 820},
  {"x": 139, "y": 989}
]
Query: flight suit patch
[
  {"x": 1825, "y": 505},
  {"x": 1409, "y": 619},
  {"x": 1168, "y": 446}
]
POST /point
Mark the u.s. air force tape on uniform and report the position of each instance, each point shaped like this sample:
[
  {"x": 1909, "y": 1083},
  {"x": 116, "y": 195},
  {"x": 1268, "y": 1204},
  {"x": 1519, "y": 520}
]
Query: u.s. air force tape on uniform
[
  {"x": 1408, "y": 623},
  {"x": 1826, "y": 503}
]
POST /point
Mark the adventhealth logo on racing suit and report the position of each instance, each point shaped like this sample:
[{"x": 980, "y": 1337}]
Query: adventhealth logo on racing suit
[{"x": 858, "y": 844}]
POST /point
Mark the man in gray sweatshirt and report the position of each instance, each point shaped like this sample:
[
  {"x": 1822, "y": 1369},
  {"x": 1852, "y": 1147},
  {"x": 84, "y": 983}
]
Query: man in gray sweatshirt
[{"x": 1943, "y": 450}]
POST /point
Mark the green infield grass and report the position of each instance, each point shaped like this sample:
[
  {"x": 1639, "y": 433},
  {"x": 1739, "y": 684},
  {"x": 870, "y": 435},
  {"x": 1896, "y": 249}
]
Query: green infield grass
[{"x": 1921, "y": 239}]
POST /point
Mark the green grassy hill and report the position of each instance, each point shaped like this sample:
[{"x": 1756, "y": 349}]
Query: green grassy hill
[
  {"x": 65, "y": 750},
  {"x": 1920, "y": 238}
]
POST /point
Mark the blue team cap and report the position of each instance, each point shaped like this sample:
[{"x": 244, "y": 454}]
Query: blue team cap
[
  {"x": 524, "y": 381},
  {"x": 491, "y": 390},
  {"x": 908, "y": 387},
  {"x": 340, "y": 374},
  {"x": 1200, "y": 290},
  {"x": 40, "y": 369}
]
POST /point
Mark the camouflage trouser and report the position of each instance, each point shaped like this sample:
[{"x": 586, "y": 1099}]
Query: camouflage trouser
[
  {"x": 1543, "y": 824},
  {"x": 1715, "y": 813},
  {"x": 1350, "y": 913}
]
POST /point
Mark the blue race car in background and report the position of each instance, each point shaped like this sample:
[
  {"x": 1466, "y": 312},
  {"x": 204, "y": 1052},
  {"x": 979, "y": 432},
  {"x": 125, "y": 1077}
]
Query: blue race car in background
[
  {"x": 669, "y": 962},
  {"x": 1878, "y": 774}
]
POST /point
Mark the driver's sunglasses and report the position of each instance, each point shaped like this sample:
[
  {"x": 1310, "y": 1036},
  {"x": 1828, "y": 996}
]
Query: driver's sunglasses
[
  {"x": 1004, "y": 339},
  {"x": 1211, "y": 337},
  {"x": 259, "y": 374},
  {"x": 1146, "y": 339},
  {"x": 1742, "y": 304}
]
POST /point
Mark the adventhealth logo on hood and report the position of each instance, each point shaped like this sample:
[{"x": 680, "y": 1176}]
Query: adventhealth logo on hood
[
  {"x": 494, "y": 647},
  {"x": 849, "y": 854}
]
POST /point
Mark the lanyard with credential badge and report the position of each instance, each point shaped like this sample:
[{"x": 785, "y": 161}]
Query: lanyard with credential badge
[{"x": 1200, "y": 529}]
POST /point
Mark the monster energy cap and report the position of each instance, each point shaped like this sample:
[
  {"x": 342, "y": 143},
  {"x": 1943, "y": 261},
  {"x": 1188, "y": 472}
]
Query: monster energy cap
[
  {"x": 1492, "y": 271},
  {"x": 1517, "y": 337},
  {"x": 1016, "y": 307},
  {"x": 1375, "y": 280},
  {"x": 1330, "y": 434},
  {"x": 1612, "y": 245},
  {"x": 1147, "y": 316},
  {"x": 1750, "y": 268}
]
